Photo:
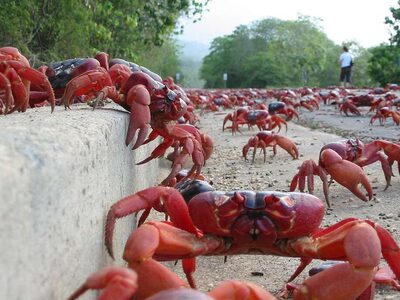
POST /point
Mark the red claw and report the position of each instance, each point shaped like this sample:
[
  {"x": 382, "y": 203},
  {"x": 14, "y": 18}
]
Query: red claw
[
  {"x": 163, "y": 199},
  {"x": 116, "y": 283},
  {"x": 346, "y": 173},
  {"x": 344, "y": 160},
  {"x": 138, "y": 99}
]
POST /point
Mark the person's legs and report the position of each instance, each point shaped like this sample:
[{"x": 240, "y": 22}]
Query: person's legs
[
  {"x": 345, "y": 80},
  {"x": 342, "y": 77},
  {"x": 348, "y": 78}
]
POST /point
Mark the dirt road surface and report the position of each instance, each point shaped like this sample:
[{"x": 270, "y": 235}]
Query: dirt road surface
[{"x": 229, "y": 171}]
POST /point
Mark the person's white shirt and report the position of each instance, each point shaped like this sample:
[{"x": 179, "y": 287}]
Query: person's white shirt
[{"x": 345, "y": 59}]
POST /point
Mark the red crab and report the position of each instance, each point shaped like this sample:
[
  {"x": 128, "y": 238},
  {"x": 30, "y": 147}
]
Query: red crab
[
  {"x": 222, "y": 100},
  {"x": 95, "y": 81},
  {"x": 62, "y": 72},
  {"x": 385, "y": 112},
  {"x": 343, "y": 161},
  {"x": 347, "y": 106},
  {"x": 247, "y": 222},
  {"x": 351, "y": 103},
  {"x": 309, "y": 102},
  {"x": 329, "y": 96},
  {"x": 123, "y": 283},
  {"x": 258, "y": 117},
  {"x": 265, "y": 139},
  {"x": 17, "y": 78},
  {"x": 152, "y": 104},
  {"x": 278, "y": 107}
]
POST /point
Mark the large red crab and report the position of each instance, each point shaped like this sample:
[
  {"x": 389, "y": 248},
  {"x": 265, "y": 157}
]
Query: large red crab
[
  {"x": 151, "y": 104},
  {"x": 265, "y": 139},
  {"x": 343, "y": 161},
  {"x": 247, "y": 222},
  {"x": 17, "y": 79}
]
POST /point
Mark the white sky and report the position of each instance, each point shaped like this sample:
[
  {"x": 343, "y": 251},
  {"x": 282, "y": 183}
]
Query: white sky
[{"x": 341, "y": 20}]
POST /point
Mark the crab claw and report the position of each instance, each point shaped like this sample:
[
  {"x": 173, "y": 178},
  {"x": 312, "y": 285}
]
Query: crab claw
[
  {"x": 36, "y": 77},
  {"x": 346, "y": 173},
  {"x": 89, "y": 82},
  {"x": 228, "y": 117},
  {"x": 6, "y": 85},
  {"x": 165, "y": 199},
  {"x": 138, "y": 99},
  {"x": 116, "y": 282},
  {"x": 207, "y": 145}
]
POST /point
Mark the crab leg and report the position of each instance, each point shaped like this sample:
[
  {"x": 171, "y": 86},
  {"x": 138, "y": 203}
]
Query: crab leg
[
  {"x": 369, "y": 158},
  {"x": 18, "y": 88},
  {"x": 392, "y": 151},
  {"x": 160, "y": 198},
  {"x": 6, "y": 85},
  {"x": 277, "y": 121},
  {"x": 307, "y": 170},
  {"x": 227, "y": 118},
  {"x": 36, "y": 77},
  {"x": 191, "y": 146},
  {"x": 158, "y": 151},
  {"x": 284, "y": 143}
]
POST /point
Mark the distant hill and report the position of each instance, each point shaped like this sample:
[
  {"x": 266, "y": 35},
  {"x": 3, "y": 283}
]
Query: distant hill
[
  {"x": 193, "y": 50},
  {"x": 192, "y": 54}
]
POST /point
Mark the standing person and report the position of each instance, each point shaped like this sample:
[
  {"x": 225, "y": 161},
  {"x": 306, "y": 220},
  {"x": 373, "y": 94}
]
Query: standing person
[{"x": 346, "y": 62}]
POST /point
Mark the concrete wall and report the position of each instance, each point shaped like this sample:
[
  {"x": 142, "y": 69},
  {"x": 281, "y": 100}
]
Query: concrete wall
[{"x": 59, "y": 174}]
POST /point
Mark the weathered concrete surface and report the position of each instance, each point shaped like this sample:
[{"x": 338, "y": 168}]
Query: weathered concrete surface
[{"x": 59, "y": 174}]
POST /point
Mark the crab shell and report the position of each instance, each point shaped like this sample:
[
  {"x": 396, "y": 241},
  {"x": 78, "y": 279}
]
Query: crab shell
[{"x": 251, "y": 216}]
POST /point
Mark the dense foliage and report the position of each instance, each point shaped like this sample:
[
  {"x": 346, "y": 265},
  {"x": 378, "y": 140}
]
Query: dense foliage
[
  {"x": 273, "y": 52},
  {"x": 394, "y": 22},
  {"x": 384, "y": 65},
  {"x": 49, "y": 30},
  {"x": 384, "y": 61}
]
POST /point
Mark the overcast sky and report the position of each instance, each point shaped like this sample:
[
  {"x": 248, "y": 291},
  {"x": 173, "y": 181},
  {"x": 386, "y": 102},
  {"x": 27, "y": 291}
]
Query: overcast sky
[{"x": 341, "y": 20}]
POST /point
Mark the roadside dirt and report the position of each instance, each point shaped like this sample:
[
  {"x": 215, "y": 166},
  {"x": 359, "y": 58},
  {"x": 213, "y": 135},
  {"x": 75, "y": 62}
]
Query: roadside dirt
[{"x": 229, "y": 171}]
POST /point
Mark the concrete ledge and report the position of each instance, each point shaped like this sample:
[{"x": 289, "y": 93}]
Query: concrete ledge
[{"x": 59, "y": 174}]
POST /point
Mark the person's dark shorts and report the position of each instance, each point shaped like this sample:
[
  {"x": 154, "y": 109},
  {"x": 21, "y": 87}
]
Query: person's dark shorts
[{"x": 345, "y": 74}]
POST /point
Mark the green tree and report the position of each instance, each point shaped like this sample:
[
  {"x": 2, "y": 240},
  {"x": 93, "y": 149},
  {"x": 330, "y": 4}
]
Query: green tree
[
  {"x": 215, "y": 64},
  {"x": 48, "y": 30},
  {"x": 163, "y": 60},
  {"x": 272, "y": 52},
  {"x": 384, "y": 64},
  {"x": 394, "y": 22}
]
